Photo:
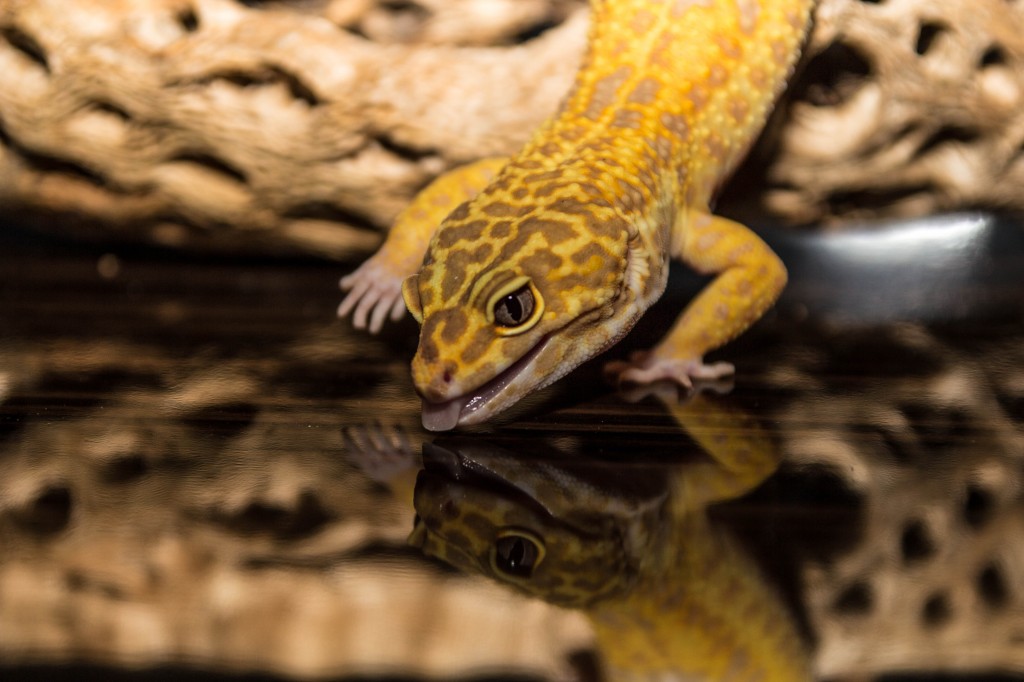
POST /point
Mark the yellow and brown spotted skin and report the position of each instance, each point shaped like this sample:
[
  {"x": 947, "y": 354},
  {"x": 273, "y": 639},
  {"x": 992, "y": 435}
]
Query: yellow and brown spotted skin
[
  {"x": 669, "y": 594},
  {"x": 668, "y": 98}
]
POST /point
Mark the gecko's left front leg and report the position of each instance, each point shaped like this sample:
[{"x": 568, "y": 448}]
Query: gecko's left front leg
[
  {"x": 749, "y": 278},
  {"x": 375, "y": 288}
]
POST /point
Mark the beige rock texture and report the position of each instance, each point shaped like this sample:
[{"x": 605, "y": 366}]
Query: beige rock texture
[
  {"x": 263, "y": 125},
  {"x": 934, "y": 451},
  {"x": 306, "y": 126},
  {"x": 903, "y": 108}
]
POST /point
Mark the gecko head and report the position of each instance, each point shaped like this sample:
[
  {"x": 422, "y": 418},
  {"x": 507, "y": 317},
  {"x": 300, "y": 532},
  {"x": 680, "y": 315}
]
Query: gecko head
[{"x": 509, "y": 307}]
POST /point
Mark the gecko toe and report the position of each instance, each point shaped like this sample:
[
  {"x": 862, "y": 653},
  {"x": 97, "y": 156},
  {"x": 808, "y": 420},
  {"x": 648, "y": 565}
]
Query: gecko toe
[
  {"x": 644, "y": 369},
  {"x": 374, "y": 296}
]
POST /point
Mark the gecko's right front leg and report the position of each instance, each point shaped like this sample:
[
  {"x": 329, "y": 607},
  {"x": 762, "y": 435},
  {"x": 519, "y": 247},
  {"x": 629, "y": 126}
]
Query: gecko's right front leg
[{"x": 375, "y": 287}]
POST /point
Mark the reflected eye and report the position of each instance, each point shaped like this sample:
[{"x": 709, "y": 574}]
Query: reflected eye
[
  {"x": 517, "y": 555},
  {"x": 514, "y": 309}
]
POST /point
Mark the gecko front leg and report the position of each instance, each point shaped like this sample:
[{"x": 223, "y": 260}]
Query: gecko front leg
[
  {"x": 375, "y": 287},
  {"x": 749, "y": 279}
]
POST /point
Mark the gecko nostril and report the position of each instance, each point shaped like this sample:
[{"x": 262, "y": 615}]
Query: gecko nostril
[{"x": 447, "y": 377}]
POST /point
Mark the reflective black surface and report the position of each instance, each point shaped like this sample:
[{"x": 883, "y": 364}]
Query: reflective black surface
[{"x": 203, "y": 473}]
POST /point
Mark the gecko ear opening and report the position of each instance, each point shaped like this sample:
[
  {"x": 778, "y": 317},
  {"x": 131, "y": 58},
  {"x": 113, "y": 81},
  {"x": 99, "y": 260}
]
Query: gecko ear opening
[{"x": 411, "y": 294}]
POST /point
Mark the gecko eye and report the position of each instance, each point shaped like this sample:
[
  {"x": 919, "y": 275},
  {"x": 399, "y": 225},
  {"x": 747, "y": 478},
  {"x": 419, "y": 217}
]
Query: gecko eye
[
  {"x": 515, "y": 308},
  {"x": 517, "y": 554}
]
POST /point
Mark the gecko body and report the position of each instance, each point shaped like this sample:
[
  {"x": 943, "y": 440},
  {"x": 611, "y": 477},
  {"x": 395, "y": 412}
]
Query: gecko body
[{"x": 544, "y": 260}]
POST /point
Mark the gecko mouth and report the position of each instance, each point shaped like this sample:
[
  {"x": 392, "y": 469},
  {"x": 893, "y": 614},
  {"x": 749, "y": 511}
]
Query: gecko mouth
[{"x": 477, "y": 404}]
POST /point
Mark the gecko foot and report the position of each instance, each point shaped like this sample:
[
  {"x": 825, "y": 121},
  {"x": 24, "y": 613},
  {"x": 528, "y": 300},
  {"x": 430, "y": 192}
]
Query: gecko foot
[
  {"x": 670, "y": 392},
  {"x": 381, "y": 452},
  {"x": 643, "y": 368},
  {"x": 374, "y": 295}
]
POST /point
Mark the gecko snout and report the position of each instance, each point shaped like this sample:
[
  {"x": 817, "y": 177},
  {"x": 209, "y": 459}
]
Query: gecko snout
[{"x": 435, "y": 383}]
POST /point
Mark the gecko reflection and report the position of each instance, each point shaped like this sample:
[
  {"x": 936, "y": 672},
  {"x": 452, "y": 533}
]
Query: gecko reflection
[{"x": 670, "y": 596}]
